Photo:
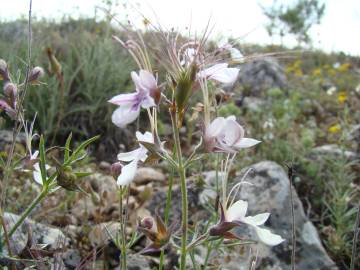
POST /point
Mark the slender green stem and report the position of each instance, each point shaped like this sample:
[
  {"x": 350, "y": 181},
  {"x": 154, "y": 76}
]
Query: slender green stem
[
  {"x": 184, "y": 203},
  {"x": 28, "y": 210},
  {"x": 166, "y": 214},
  {"x": 123, "y": 233}
]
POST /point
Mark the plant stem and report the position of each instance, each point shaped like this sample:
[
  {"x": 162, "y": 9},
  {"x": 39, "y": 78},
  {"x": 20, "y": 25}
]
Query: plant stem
[
  {"x": 356, "y": 234},
  {"x": 166, "y": 213},
  {"x": 123, "y": 233},
  {"x": 184, "y": 203},
  {"x": 28, "y": 210}
]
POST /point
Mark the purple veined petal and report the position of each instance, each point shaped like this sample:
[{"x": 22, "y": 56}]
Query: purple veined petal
[
  {"x": 232, "y": 132},
  {"x": 246, "y": 143},
  {"x": 147, "y": 80},
  {"x": 129, "y": 156},
  {"x": 125, "y": 115},
  {"x": 146, "y": 137},
  {"x": 267, "y": 237},
  {"x": 147, "y": 102},
  {"x": 124, "y": 99},
  {"x": 215, "y": 127},
  {"x": 237, "y": 211},
  {"x": 257, "y": 220},
  {"x": 128, "y": 173}
]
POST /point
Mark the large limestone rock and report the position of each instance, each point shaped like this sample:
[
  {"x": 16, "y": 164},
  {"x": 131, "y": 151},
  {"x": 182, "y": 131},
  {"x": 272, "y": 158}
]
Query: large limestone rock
[
  {"x": 270, "y": 192},
  {"x": 33, "y": 235},
  {"x": 261, "y": 74}
]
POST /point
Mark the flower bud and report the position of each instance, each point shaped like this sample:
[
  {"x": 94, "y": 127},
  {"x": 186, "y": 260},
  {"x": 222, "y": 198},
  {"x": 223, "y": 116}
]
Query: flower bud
[
  {"x": 4, "y": 74},
  {"x": 147, "y": 222},
  {"x": 35, "y": 74},
  {"x": 115, "y": 169},
  {"x": 10, "y": 90}
]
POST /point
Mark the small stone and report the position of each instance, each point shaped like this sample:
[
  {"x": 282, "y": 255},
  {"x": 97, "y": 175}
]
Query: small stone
[{"x": 146, "y": 174}]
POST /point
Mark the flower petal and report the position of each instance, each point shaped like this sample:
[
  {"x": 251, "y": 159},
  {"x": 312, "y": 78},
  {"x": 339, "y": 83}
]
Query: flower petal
[
  {"x": 37, "y": 174},
  {"x": 267, "y": 237},
  {"x": 147, "y": 80},
  {"x": 129, "y": 156},
  {"x": 146, "y": 137},
  {"x": 226, "y": 76},
  {"x": 215, "y": 127},
  {"x": 147, "y": 102},
  {"x": 246, "y": 143},
  {"x": 124, "y": 99},
  {"x": 127, "y": 173},
  {"x": 232, "y": 132},
  {"x": 237, "y": 211},
  {"x": 124, "y": 115},
  {"x": 220, "y": 73},
  {"x": 257, "y": 220}
]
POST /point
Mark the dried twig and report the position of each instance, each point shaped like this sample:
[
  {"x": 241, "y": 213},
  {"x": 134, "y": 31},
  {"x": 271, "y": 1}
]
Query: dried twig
[{"x": 293, "y": 229}]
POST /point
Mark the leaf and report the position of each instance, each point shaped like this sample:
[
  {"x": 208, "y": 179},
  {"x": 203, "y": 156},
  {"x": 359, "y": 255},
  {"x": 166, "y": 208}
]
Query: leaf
[
  {"x": 67, "y": 147},
  {"x": 82, "y": 174},
  {"x": 42, "y": 159},
  {"x": 80, "y": 148}
]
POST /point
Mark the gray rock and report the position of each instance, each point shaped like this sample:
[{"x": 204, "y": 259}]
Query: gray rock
[
  {"x": 40, "y": 235},
  {"x": 270, "y": 193},
  {"x": 6, "y": 137},
  {"x": 145, "y": 175},
  {"x": 262, "y": 74},
  {"x": 333, "y": 150},
  {"x": 137, "y": 262}
]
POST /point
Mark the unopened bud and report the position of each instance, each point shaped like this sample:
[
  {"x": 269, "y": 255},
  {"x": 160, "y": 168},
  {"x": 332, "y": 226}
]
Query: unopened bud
[
  {"x": 4, "y": 74},
  {"x": 115, "y": 169},
  {"x": 35, "y": 74},
  {"x": 10, "y": 90},
  {"x": 147, "y": 223}
]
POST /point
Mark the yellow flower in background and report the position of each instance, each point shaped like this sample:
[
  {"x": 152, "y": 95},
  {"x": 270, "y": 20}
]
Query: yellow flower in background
[
  {"x": 342, "y": 97},
  {"x": 317, "y": 72},
  {"x": 334, "y": 128},
  {"x": 344, "y": 67}
]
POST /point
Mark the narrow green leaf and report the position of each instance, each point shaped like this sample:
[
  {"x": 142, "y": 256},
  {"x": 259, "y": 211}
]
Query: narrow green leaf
[
  {"x": 42, "y": 159},
  {"x": 67, "y": 147},
  {"x": 81, "y": 147}
]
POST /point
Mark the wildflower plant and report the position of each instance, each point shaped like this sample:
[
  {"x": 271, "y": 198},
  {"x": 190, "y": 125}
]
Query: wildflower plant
[
  {"x": 49, "y": 173},
  {"x": 188, "y": 70}
]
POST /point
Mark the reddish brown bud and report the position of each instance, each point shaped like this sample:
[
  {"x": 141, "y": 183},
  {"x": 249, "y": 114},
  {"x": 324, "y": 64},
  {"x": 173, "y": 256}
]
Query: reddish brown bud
[{"x": 115, "y": 169}]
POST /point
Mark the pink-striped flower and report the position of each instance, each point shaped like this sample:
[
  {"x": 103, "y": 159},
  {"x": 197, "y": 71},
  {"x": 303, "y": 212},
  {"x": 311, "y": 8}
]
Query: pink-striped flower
[
  {"x": 235, "y": 216},
  {"x": 226, "y": 135},
  {"x": 130, "y": 104}
]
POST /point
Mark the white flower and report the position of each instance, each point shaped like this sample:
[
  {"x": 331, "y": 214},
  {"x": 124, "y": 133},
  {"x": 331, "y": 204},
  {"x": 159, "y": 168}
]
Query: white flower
[
  {"x": 130, "y": 104},
  {"x": 226, "y": 135},
  {"x": 220, "y": 73},
  {"x": 37, "y": 173},
  {"x": 237, "y": 213},
  {"x": 128, "y": 171}
]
